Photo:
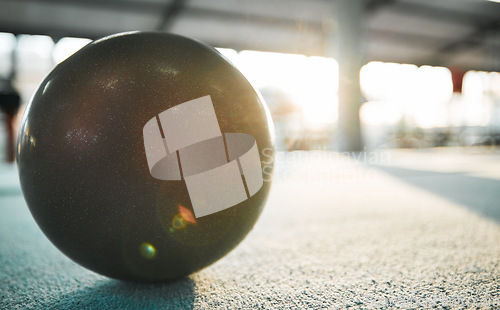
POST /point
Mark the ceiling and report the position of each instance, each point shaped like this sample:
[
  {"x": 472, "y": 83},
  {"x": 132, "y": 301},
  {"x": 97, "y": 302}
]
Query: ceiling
[{"x": 462, "y": 33}]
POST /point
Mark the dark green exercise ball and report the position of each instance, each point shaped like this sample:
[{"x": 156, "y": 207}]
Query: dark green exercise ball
[{"x": 146, "y": 156}]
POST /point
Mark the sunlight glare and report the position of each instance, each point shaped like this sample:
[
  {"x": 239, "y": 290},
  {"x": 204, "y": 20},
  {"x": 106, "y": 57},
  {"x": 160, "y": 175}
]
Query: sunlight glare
[
  {"x": 404, "y": 92},
  {"x": 312, "y": 82},
  {"x": 7, "y": 45},
  {"x": 67, "y": 47}
]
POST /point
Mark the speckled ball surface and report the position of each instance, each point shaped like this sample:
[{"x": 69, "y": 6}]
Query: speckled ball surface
[{"x": 84, "y": 168}]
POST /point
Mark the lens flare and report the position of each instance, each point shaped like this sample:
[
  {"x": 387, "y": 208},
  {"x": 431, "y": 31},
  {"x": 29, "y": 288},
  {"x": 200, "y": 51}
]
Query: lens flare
[
  {"x": 182, "y": 219},
  {"x": 147, "y": 250},
  {"x": 187, "y": 214},
  {"x": 178, "y": 222}
]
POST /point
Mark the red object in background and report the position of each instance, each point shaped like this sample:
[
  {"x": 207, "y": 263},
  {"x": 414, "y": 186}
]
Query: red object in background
[{"x": 457, "y": 77}]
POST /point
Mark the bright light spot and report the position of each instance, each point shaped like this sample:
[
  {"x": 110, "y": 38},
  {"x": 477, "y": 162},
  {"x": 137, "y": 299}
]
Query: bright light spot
[
  {"x": 272, "y": 69},
  {"x": 318, "y": 97},
  {"x": 67, "y": 47},
  {"x": 417, "y": 95},
  {"x": 147, "y": 250},
  {"x": 495, "y": 84},
  {"x": 230, "y": 54},
  {"x": 310, "y": 82},
  {"x": 377, "y": 113},
  {"x": 8, "y": 42},
  {"x": 434, "y": 89},
  {"x": 7, "y": 45},
  {"x": 187, "y": 214},
  {"x": 34, "y": 55},
  {"x": 178, "y": 222},
  {"x": 388, "y": 81},
  {"x": 480, "y": 90}
]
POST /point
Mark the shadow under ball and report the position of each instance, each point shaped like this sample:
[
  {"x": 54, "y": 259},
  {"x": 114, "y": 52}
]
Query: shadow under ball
[{"x": 84, "y": 170}]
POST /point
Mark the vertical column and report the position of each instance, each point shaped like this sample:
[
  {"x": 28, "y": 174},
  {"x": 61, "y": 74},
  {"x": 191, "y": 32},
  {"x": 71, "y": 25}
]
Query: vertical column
[{"x": 346, "y": 36}]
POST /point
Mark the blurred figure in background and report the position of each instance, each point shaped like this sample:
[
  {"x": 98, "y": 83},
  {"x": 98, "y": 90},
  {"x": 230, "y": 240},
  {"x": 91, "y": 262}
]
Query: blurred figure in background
[{"x": 9, "y": 105}]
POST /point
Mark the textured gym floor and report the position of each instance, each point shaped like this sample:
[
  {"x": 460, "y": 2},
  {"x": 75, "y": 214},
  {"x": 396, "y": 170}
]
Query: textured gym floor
[{"x": 390, "y": 229}]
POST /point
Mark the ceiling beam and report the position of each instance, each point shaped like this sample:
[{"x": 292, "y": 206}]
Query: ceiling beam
[
  {"x": 400, "y": 7},
  {"x": 128, "y": 5},
  {"x": 436, "y": 13},
  {"x": 169, "y": 15},
  {"x": 177, "y": 7},
  {"x": 375, "y": 5},
  {"x": 470, "y": 41},
  {"x": 396, "y": 37},
  {"x": 284, "y": 22},
  {"x": 54, "y": 32}
]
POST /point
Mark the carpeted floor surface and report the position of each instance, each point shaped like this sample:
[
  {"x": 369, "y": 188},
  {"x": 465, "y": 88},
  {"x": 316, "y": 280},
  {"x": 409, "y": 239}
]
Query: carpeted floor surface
[{"x": 393, "y": 229}]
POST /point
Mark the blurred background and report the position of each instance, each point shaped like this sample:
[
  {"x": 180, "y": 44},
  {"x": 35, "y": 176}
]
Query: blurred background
[
  {"x": 336, "y": 75},
  {"x": 386, "y": 186}
]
